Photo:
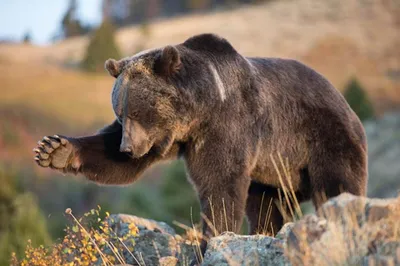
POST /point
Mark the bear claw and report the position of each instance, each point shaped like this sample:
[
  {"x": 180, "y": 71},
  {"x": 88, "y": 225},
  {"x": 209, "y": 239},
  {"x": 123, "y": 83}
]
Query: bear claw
[{"x": 53, "y": 151}]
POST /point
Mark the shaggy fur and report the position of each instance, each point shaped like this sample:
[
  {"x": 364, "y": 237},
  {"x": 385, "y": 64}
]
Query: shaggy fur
[{"x": 224, "y": 114}]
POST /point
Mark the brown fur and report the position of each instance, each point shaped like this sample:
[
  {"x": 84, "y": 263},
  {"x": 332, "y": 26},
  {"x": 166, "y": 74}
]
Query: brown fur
[{"x": 225, "y": 115}]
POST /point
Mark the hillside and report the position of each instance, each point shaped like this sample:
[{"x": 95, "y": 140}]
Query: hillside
[{"x": 340, "y": 39}]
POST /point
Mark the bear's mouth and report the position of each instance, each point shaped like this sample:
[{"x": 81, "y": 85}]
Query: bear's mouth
[
  {"x": 135, "y": 140},
  {"x": 141, "y": 150}
]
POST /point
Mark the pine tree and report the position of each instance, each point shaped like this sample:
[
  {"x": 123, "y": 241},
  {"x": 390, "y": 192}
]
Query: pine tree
[
  {"x": 102, "y": 46},
  {"x": 71, "y": 26},
  {"x": 358, "y": 100},
  {"x": 20, "y": 219},
  {"x": 27, "y": 37},
  {"x": 199, "y": 4}
]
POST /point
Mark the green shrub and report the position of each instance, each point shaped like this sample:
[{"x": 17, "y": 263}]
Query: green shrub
[
  {"x": 173, "y": 200},
  {"x": 358, "y": 100},
  {"x": 102, "y": 46},
  {"x": 20, "y": 219},
  {"x": 9, "y": 134}
]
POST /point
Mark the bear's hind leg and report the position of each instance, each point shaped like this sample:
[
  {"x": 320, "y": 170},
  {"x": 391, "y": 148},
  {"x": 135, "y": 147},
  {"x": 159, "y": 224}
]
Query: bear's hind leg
[
  {"x": 262, "y": 211},
  {"x": 331, "y": 178}
]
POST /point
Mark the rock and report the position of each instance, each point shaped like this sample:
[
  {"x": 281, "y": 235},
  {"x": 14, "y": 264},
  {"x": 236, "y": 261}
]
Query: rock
[
  {"x": 348, "y": 230},
  {"x": 168, "y": 261},
  {"x": 285, "y": 230},
  {"x": 230, "y": 249},
  {"x": 141, "y": 223},
  {"x": 155, "y": 243},
  {"x": 309, "y": 229},
  {"x": 378, "y": 260}
]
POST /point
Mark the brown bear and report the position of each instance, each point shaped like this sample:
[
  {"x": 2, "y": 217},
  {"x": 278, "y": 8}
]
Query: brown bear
[{"x": 225, "y": 115}]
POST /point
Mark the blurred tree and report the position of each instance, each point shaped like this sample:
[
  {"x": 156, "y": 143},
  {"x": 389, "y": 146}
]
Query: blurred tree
[
  {"x": 231, "y": 3},
  {"x": 102, "y": 46},
  {"x": 125, "y": 12},
  {"x": 358, "y": 100},
  {"x": 153, "y": 9},
  {"x": 137, "y": 12},
  {"x": 20, "y": 219},
  {"x": 27, "y": 37},
  {"x": 70, "y": 25},
  {"x": 198, "y": 5}
]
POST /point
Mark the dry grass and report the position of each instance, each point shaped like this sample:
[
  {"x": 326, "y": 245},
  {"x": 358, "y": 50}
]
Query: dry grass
[
  {"x": 288, "y": 205},
  {"x": 64, "y": 95},
  {"x": 38, "y": 100},
  {"x": 95, "y": 243}
]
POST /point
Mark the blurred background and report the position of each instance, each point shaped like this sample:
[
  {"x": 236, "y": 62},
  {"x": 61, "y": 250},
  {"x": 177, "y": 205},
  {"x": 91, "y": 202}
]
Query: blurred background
[{"x": 52, "y": 81}]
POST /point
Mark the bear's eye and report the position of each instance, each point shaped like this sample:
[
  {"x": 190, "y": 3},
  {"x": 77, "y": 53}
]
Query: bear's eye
[
  {"x": 134, "y": 114},
  {"x": 134, "y": 73}
]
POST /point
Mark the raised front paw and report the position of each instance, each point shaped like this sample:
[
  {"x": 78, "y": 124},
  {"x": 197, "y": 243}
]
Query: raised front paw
[{"x": 54, "y": 151}]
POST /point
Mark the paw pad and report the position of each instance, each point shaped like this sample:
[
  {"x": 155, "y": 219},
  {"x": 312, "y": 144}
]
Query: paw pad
[{"x": 53, "y": 151}]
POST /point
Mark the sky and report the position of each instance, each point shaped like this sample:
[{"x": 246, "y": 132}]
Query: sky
[{"x": 41, "y": 17}]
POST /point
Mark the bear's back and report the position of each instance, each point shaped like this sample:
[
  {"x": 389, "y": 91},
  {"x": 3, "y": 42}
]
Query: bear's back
[{"x": 289, "y": 81}]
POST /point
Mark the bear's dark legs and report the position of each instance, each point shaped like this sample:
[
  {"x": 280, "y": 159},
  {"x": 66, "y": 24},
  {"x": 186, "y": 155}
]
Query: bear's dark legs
[
  {"x": 223, "y": 206},
  {"x": 222, "y": 201},
  {"x": 262, "y": 212},
  {"x": 329, "y": 179}
]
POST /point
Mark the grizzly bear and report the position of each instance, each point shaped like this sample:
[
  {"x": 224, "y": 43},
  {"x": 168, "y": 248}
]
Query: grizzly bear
[{"x": 228, "y": 116}]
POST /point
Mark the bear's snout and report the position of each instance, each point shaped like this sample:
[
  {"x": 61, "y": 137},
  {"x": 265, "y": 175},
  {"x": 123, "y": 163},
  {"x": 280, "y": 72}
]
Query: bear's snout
[
  {"x": 125, "y": 147},
  {"x": 135, "y": 141}
]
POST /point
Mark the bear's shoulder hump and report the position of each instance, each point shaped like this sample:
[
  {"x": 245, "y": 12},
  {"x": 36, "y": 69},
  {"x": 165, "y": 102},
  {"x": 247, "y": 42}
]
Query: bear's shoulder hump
[{"x": 209, "y": 42}]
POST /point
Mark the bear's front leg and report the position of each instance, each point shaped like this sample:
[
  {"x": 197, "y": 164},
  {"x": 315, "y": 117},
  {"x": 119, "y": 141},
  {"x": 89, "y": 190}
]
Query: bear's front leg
[
  {"x": 98, "y": 157},
  {"x": 222, "y": 185}
]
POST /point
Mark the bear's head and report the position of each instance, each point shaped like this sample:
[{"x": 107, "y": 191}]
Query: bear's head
[
  {"x": 160, "y": 94},
  {"x": 145, "y": 101}
]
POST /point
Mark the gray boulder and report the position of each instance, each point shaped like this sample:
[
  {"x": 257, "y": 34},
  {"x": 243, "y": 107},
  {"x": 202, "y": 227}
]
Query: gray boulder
[
  {"x": 348, "y": 230},
  {"x": 155, "y": 244},
  {"x": 231, "y": 249}
]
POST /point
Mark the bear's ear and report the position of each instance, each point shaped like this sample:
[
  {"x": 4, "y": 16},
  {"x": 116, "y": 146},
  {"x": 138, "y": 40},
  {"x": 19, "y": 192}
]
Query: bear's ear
[
  {"x": 170, "y": 61},
  {"x": 113, "y": 67}
]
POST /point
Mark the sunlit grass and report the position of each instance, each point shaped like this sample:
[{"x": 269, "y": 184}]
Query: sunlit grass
[
  {"x": 66, "y": 95},
  {"x": 88, "y": 241}
]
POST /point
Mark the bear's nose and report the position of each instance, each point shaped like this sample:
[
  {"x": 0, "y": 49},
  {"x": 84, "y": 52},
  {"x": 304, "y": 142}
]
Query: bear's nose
[{"x": 126, "y": 149}]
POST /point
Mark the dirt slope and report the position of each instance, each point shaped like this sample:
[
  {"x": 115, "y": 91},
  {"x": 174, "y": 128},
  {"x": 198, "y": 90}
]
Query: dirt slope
[{"x": 338, "y": 38}]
